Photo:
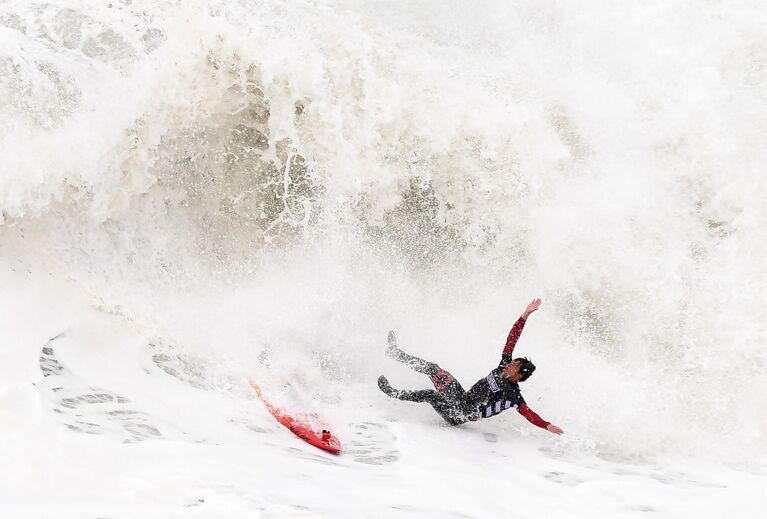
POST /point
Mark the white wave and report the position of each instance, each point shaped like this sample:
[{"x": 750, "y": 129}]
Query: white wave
[{"x": 236, "y": 177}]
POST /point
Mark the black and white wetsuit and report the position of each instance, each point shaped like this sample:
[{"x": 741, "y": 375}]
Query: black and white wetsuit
[{"x": 488, "y": 397}]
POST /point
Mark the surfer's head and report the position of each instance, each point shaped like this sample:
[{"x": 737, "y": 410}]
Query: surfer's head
[{"x": 518, "y": 370}]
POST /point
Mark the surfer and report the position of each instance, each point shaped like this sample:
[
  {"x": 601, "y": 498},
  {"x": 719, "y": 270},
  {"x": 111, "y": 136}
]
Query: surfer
[{"x": 488, "y": 397}]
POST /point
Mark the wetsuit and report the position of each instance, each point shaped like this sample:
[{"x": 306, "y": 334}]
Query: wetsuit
[{"x": 488, "y": 397}]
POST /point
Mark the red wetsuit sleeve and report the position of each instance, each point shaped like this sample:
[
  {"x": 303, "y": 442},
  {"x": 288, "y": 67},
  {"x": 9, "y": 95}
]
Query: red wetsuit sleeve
[
  {"x": 513, "y": 337},
  {"x": 532, "y": 416}
]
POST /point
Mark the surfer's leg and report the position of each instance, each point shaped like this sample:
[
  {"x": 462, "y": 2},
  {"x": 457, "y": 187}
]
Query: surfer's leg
[
  {"x": 449, "y": 409},
  {"x": 446, "y": 383},
  {"x": 419, "y": 395},
  {"x": 443, "y": 381},
  {"x": 383, "y": 385},
  {"x": 452, "y": 407},
  {"x": 414, "y": 363}
]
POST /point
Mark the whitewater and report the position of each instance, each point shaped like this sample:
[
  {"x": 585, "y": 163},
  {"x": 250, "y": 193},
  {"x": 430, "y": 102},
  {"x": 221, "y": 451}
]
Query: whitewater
[{"x": 198, "y": 193}]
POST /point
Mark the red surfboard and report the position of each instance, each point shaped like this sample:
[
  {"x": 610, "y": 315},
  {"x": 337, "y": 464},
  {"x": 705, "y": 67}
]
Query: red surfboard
[{"x": 322, "y": 439}]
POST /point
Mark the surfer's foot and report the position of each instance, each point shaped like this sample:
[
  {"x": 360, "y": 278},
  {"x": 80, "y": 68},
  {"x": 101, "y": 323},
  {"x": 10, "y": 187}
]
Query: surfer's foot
[
  {"x": 384, "y": 385},
  {"x": 391, "y": 350}
]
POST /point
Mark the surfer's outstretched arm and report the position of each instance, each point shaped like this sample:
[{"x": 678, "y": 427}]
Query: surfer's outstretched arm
[
  {"x": 535, "y": 419},
  {"x": 516, "y": 330}
]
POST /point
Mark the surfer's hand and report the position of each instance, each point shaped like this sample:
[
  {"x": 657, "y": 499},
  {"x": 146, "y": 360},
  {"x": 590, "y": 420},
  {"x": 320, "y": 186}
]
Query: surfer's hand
[
  {"x": 554, "y": 429},
  {"x": 532, "y": 307}
]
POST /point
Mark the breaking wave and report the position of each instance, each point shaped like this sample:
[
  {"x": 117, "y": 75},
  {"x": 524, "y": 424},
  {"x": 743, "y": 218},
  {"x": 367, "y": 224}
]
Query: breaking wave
[{"x": 339, "y": 168}]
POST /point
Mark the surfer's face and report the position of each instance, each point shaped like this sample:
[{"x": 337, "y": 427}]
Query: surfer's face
[{"x": 511, "y": 371}]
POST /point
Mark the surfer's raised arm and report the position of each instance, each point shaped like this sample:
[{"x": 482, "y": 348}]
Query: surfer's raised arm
[
  {"x": 516, "y": 330},
  {"x": 534, "y": 305}
]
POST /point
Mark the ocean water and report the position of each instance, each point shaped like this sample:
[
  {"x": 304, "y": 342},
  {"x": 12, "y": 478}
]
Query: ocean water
[{"x": 196, "y": 193}]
